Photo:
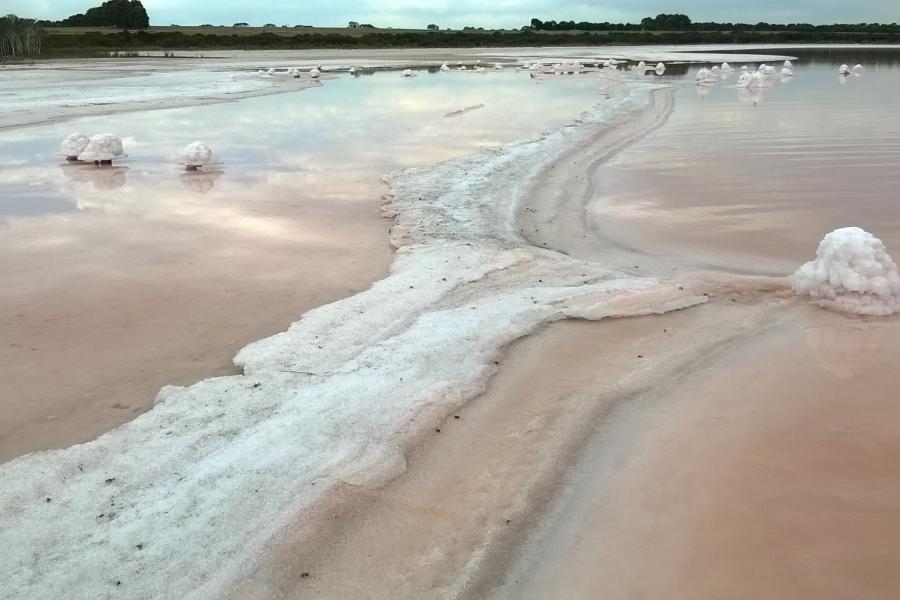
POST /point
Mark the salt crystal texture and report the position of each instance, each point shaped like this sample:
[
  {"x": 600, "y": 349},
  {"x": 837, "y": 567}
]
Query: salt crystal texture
[
  {"x": 102, "y": 147},
  {"x": 73, "y": 145},
  {"x": 852, "y": 273},
  {"x": 198, "y": 154}
]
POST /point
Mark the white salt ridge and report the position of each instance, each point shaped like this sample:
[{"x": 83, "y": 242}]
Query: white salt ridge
[
  {"x": 207, "y": 477},
  {"x": 852, "y": 273},
  {"x": 102, "y": 147},
  {"x": 73, "y": 145}
]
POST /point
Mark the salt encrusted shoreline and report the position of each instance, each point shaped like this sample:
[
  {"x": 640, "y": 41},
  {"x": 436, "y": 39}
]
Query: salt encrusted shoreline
[{"x": 180, "y": 501}]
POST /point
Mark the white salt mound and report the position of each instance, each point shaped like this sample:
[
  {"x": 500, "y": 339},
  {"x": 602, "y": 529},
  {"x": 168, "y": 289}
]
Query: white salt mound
[
  {"x": 852, "y": 273},
  {"x": 198, "y": 154},
  {"x": 102, "y": 147},
  {"x": 73, "y": 145}
]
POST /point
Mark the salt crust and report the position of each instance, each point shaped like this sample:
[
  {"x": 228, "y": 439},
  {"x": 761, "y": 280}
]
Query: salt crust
[{"x": 179, "y": 502}]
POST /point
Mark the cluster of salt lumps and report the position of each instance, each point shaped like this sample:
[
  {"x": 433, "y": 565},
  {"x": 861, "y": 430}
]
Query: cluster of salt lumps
[
  {"x": 568, "y": 68},
  {"x": 642, "y": 68},
  {"x": 846, "y": 70},
  {"x": 709, "y": 76},
  {"x": 102, "y": 148},
  {"x": 197, "y": 154},
  {"x": 852, "y": 273},
  {"x": 764, "y": 76},
  {"x": 407, "y": 73}
]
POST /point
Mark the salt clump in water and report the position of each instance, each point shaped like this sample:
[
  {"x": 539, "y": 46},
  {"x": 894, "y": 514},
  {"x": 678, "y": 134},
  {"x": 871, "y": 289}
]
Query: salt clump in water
[
  {"x": 73, "y": 145},
  {"x": 197, "y": 154},
  {"x": 852, "y": 273},
  {"x": 102, "y": 149}
]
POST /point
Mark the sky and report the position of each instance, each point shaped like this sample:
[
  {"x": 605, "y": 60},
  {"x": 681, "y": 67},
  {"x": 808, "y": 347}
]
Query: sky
[{"x": 460, "y": 13}]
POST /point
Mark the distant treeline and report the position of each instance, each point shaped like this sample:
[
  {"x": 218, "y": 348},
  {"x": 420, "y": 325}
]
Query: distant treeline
[
  {"x": 124, "y": 14},
  {"x": 19, "y": 37},
  {"x": 681, "y": 22},
  {"x": 60, "y": 44}
]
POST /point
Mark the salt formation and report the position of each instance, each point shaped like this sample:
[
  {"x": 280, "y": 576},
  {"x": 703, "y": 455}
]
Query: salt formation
[
  {"x": 747, "y": 80},
  {"x": 852, "y": 273},
  {"x": 314, "y": 73},
  {"x": 844, "y": 70},
  {"x": 407, "y": 73},
  {"x": 197, "y": 154},
  {"x": 705, "y": 76},
  {"x": 208, "y": 478},
  {"x": 726, "y": 67},
  {"x": 271, "y": 72},
  {"x": 498, "y": 66},
  {"x": 640, "y": 67},
  {"x": 660, "y": 68},
  {"x": 787, "y": 72},
  {"x": 295, "y": 73},
  {"x": 858, "y": 69},
  {"x": 788, "y": 64},
  {"x": 73, "y": 145},
  {"x": 445, "y": 67},
  {"x": 352, "y": 71},
  {"x": 102, "y": 149}
]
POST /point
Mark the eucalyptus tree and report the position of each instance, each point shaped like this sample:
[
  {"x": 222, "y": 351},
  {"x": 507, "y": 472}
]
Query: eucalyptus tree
[{"x": 19, "y": 37}]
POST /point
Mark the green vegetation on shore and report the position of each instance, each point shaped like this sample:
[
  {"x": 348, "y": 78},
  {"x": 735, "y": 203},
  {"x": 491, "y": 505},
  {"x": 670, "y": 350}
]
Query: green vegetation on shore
[
  {"x": 681, "y": 22},
  {"x": 121, "y": 26},
  {"x": 61, "y": 43}
]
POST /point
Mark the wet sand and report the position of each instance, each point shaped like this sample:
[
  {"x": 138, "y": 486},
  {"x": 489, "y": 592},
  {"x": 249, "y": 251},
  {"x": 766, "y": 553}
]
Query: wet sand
[
  {"x": 93, "y": 329},
  {"x": 479, "y": 483},
  {"x": 769, "y": 471}
]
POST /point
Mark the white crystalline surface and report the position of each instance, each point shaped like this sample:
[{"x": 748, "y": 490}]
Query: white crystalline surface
[
  {"x": 852, "y": 273},
  {"x": 180, "y": 502},
  {"x": 103, "y": 146},
  {"x": 198, "y": 154},
  {"x": 73, "y": 145}
]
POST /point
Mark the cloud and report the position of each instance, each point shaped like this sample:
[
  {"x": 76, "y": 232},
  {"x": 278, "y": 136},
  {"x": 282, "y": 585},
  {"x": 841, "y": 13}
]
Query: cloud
[{"x": 458, "y": 13}]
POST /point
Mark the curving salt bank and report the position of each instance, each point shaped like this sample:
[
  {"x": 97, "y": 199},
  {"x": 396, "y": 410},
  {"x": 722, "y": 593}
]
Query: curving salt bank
[
  {"x": 852, "y": 273},
  {"x": 182, "y": 500}
]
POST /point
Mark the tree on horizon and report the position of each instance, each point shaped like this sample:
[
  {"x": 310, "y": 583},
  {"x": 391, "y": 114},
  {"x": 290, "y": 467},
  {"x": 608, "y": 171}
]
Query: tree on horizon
[{"x": 124, "y": 14}]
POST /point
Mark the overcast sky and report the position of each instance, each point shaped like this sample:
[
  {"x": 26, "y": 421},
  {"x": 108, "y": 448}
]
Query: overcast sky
[{"x": 486, "y": 13}]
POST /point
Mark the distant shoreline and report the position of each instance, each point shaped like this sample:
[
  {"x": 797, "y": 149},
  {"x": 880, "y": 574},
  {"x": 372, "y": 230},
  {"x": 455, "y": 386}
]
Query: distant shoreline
[{"x": 79, "y": 42}]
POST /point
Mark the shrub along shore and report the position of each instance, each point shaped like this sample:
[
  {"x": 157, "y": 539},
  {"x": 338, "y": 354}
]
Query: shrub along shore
[{"x": 62, "y": 44}]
